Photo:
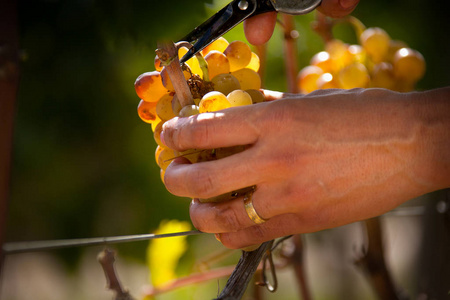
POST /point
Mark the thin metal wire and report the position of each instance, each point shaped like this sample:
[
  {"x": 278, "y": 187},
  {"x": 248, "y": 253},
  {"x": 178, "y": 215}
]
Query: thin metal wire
[{"x": 21, "y": 247}]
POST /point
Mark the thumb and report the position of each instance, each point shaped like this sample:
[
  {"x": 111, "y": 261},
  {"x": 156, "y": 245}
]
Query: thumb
[{"x": 258, "y": 29}]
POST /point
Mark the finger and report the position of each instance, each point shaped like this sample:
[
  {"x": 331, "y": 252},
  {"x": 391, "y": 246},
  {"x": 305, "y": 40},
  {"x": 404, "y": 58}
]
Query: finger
[
  {"x": 234, "y": 126},
  {"x": 274, "y": 95},
  {"x": 213, "y": 178},
  {"x": 259, "y": 29},
  {"x": 276, "y": 227},
  {"x": 232, "y": 216},
  {"x": 337, "y": 8}
]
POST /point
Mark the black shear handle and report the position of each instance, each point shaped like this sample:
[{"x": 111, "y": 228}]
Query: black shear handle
[{"x": 224, "y": 20}]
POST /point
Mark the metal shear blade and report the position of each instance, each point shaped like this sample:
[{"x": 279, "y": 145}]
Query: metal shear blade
[{"x": 236, "y": 12}]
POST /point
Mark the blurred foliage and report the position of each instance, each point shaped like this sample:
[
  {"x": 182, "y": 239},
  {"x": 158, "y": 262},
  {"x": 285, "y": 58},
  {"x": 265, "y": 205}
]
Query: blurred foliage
[{"x": 83, "y": 161}]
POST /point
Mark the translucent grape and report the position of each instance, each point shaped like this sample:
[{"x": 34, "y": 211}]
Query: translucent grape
[
  {"x": 219, "y": 45},
  {"x": 149, "y": 86},
  {"x": 257, "y": 96},
  {"x": 356, "y": 53},
  {"x": 354, "y": 76},
  {"x": 307, "y": 79},
  {"x": 192, "y": 155},
  {"x": 327, "y": 81},
  {"x": 248, "y": 79},
  {"x": 338, "y": 53},
  {"x": 254, "y": 63},
  {"x": 147, "y": 111},
  {"x": 164, "y": 107},
  {"x": 157, "y": 63},
  {"x": 239, "y": 98},
  {"x": 189, "y": 110},
  {"x": 217, "y": 63},
  {"x": 193, "y": 63},
  {"x": 239, "y": 55},
  {"x": 157, "y": 134},
  {"x": 394, "y": 46},
  {"x": 409, "y": 65},
  {"x": 165, "y": 157},
  {"x": 376, "y": 43},
  {"x": 323, "y": 60},
  {"x": 225, "y": 83},
  {"x": 383, "y": 76},
  {"x": 176, "y": 106},
  {"x": 167, "y": 82},
  {"x": 213, "y": 101}
]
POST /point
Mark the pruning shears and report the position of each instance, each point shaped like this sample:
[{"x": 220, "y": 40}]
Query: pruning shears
[{"x": 236, "y": 12}]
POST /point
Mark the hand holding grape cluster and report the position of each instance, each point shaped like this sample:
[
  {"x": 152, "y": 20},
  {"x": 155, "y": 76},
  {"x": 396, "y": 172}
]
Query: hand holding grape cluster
[{"x": 317, "y": 160}]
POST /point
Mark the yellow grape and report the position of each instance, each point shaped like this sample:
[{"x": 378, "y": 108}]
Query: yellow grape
[
  {"x": 149, "y": 86},
  {"x": 165, "y": 157},
  {"x": 394, "y": 45},
  {"x": 323, "y": 60},
  {"x": 213, "y": 101},
  {"x": 356, "y": 53},
  {"x": 157, "y": 134},
  {"x": 354, "y": 76},
  {"x": 327, "y": 81},
  {"x": 409, "y": 65},
  {"x": 219, "y": 45},
  {"x": 248, "y": 79},
  {"x": 167, "y": 82},
  {"x": 161, "y": 174},
  {"x": 307, "y": 79},
  {"x": 217, "y": 63},
  {"x": 257, "y": 96},
  {"x": 239, "y": 55},
  {"x": 192, "y": 155},
  {"x": 189, "y": 110},
  {"x": 383, "y": 76},
  {"x": 164, "y": 107},
  {"x": 157, "y": 63},
  {"x": 338, "y": 53},
  {"x": 147, "y": 111},
  {"x": 254, "y": 63},
  {"x": 193, "y": 63},
  {"x": 176, "y": 106},
  {"x": 376, "y": 43},
  {"x": 225, "y": 83},
  {"x": 155, "y": 123},
  {"x": 239, "y": 98},
  {"x": 158, "y": 152}
]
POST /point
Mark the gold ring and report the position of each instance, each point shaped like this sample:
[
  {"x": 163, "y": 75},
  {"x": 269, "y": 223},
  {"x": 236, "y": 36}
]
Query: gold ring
[{"x": 251, "y": 212}]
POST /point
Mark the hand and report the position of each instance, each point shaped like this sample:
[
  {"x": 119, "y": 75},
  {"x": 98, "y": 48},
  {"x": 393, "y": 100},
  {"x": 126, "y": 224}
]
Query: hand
[
  {"x": 319, "y": 161},
  {"x": 259, "y": 29}
]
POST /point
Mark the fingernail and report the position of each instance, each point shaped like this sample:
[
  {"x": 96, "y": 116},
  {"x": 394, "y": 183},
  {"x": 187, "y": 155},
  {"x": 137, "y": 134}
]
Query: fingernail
[
  {"x": 217, "y": 235},
  {"x": 348, "y": 3}
]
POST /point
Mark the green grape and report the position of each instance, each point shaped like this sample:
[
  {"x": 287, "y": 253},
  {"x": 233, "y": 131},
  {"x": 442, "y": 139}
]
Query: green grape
[
  {"x": 354, "y": 76},
  {"x": 257, "y": 96},
  {"x": 164, "y": 107},
  {"x": 225, "y": 83},
  {"x": 307, "y": 79},
  {"x": 217, "y": 63},
  {"x": 147, "y": 111},
  {"x": 376, "y": 43},
  {"x": 239, "y": 55},
  {"x": 248, "y": 79},
  {"x": 149, "y": 86},
  {"x": 239, "y": 98},
  {"x": 189, "y": 110},
  {"x": 409, "y": 65},
  {"x": 213, "y": 101}
]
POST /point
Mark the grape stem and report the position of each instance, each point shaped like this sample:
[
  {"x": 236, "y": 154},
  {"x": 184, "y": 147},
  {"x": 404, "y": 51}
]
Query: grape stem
[
  {"x": 200, "y": 58},
  {"x": 168, "y": 54},
  {"x": 323, "y": 26}
]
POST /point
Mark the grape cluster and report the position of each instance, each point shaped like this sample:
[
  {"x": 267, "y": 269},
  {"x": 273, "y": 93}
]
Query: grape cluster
[
  {"x": 233, "y": 69},
  {"x": 377, "y": 61}
]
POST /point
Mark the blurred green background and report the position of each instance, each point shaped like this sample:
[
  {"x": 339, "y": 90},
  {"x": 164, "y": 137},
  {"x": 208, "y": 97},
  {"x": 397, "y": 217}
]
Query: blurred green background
[{"x": 83, "y": 162}]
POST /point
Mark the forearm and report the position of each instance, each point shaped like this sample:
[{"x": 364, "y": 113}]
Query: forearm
[{"x": 433, "y": 124}]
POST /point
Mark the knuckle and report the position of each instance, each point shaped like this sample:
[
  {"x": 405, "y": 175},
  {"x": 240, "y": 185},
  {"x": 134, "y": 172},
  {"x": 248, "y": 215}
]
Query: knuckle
[
  {"x": 229, "y": 219},
  {"x": 204, "y": 183}
]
